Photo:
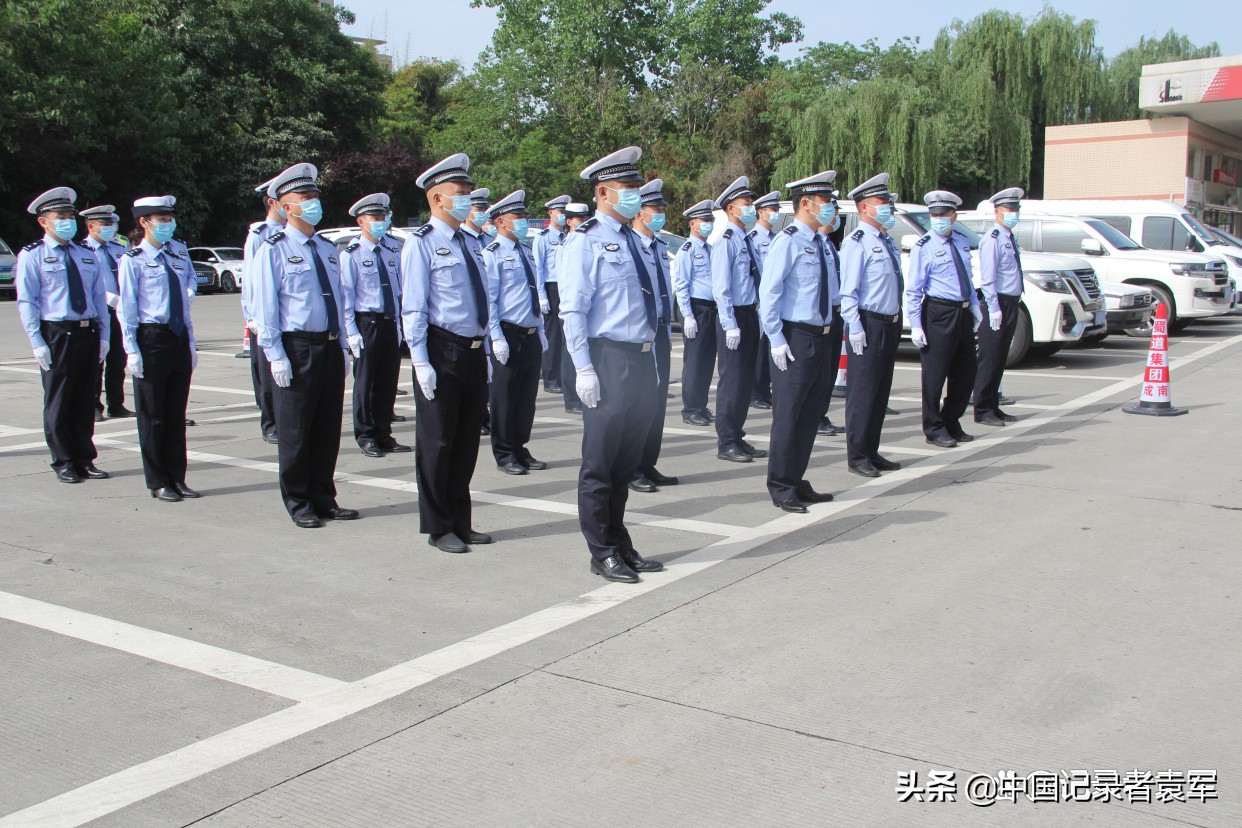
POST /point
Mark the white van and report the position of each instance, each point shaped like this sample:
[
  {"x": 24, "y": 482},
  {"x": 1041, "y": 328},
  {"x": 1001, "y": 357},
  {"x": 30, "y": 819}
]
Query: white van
[{"x": 1193, "y": 285}]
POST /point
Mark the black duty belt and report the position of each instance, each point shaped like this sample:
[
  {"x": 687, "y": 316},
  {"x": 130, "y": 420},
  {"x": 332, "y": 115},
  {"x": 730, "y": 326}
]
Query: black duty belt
[
  {"x": 456, "y": 339},
  {"x": 641, "y": 347},
  {"x": 950, "y": 303},
  {"x": 702, "y": 303},
  {"x": 376, "y": 315},
  {"x": 883, "y": 317},
  {"x": 1008, "y": 297},
  {"x": 520, "y": 330},
  {"x": 69, "y": 324},
  {"x": 818, "y": 330},
  {"x": 745, "y": 307},
  {"x": 310, "y": 336}
]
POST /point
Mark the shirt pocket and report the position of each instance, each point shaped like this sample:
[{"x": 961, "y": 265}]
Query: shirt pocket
[
  {"x": 300, "y": 278},
  {"x": 442, "y": 269},
  {"x": 53, "y": 273},
  {"x": 614, "y": 266}
]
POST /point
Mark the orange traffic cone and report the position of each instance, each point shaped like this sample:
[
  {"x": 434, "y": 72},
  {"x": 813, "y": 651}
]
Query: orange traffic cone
[
  {"x": 839, "y": 387},
  {"x": 245, "y": 351},
  {"x": 1154, "y": 392}
]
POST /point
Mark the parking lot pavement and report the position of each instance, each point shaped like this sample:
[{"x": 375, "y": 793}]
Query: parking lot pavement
[{"x": 1058, "y": 595}]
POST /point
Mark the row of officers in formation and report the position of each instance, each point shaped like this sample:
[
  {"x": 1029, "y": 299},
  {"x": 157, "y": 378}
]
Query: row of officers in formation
[{"x": 588, "y": 310}]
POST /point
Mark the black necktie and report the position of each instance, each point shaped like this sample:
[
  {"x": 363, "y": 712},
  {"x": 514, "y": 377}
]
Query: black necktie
[
  {"x": 102, "y": 250},
  {"x": 390, "y": 302},
  {"x": 962, "y": 281},
  {"x": 1017, "y": 258},
  {"x": 530, "y": 281},
  {"x": 836, "y": 263},
  {"x": 176, "y": 304},
  {"x": 476, "y": 280},
  {"x": 824, "y": 288},
  {"x": 644, "y": 278},
  {"x": 892, "y": 254},
  {"x": 77, "y": 293},
  {"x": 666, "y": 310},
  {"x": 325, "y": 287},
  {"x": 754, "y": 265}
]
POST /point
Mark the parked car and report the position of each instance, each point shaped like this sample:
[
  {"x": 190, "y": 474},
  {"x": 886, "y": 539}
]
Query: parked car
[
  {"x": 8, "y": 287},
  {"x": 225, "y": 261},
  {"x": 1129, "y": 308},
  {"x": 207, "y": 279}
]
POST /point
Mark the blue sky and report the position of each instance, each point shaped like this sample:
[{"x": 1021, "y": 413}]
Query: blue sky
[{"x": 452, "y": 29}]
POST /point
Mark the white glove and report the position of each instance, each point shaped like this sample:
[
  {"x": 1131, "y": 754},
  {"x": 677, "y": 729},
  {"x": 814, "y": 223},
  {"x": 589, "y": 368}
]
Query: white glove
[
  {"x": 113, "y": 299},
  {"x": 349, "y": 364},
  {"x": 103, "y": 352},
  {"x": 282, "y": 372},
  {"x": 977, "y": 314},
  {"x": 426, "y": 376},
  {"x": 690, "y": 327},
  {"x": 500, "y": 350},
  {"x": 858, "y": 341},
  {"x": 918, "y": 338},
  {"x": 782, "y": 356},
  {"x": 193, "y": 357},
  {"x": 133, "y": 364},
  {"x": 733, "y": 339},
  {"x": 253, "y": 326},
  {"x": 543, "y": 341},
  {"x": 43, "y": 355},
  {"x": 355, "y": 345},
  {"x": 994, "y": 320},
  {"x": 544, "y": 307},
  {"x": 587, "y": 386}
]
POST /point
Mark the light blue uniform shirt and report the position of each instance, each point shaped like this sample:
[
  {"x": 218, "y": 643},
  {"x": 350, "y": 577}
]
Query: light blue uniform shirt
[
  {"x": 732, "y": 284},
  {"x": 870, "y": 280},
  {"x": 144, "y": 291},
  {"x": 287, "y": 295},
  {"x": 108, "y": 252},
  {"x": 761, "y": 239},
  {"x": 41, "y": 277},
  {"x": 998, "y": 266},
  {"x": 259, "y": 231},
  {"x": 694, "y": 275},
  {"x": 360, "y": 279},
  {"x": 932, "y": 273},
  {"x": 544, "y": 252},
  {"x": 435, "y": 286},
  {"x": 601, "y": 296},
  {"x": 508, "y": 293},
  {"x": 790, "y": 288},
  {"x": 652, "y": 248}
]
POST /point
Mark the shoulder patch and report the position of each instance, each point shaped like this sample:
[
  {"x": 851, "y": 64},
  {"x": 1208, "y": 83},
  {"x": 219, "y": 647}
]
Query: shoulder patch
[
  {"x": 790, "y": 230},
  {"x": 857, "y": 235},
  {"x": 424, "y": 230},
  {"x": 728, "y": 234},
  {"x": 32, "y": 246},
  {"x": 686, "y": 246},
  {"x": 354, "y": 245},
  {"x": 275, "y": 237},
  {"x": 494, "y": 246},
  {"x": 543, "y": 232},
  {"x": 81, "y": 244},
  {"x": 134, "y": 251},
  {"x": 587, "y": 225},
  {"x": 923, "y": 240},
  {"x": 995, "y": 233},
  {"x": 752, "y": 234}
]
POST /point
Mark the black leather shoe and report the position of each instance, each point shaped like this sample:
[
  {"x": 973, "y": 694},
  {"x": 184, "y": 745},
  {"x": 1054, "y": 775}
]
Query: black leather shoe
[
  {"x": 395, "y": 448},
  {"x": 91, "y": 473},
  {"x": 865, "y": 469},
  {"x": 371, "y": 450},
  {"x": 827, "y": 429},
  {"x": 1003, "y": 400},
  {"x": 960, "y": 436},
  {"x": 889, "y": 411},
  {"x": 553, "y": 388},
  {"x": 186, "y": 491},
  {"x": 640, "y": 483},
  {"x": 989, "y": 419},
  {"x": 485, "y": 429},
  {"x": 117, "y": 413},
  {"x": 534, "y": 465},
  {"x": 792, "y": 505},
  {"x": 695, "y": 419},
  {"x": 307, "y": 521},
  {"x": 168, "y": 495},
  {"x": 448, "y": 543},
  {"x": 339, "y": 513},
  {"x": 762, "y": 405},
  {"x": 884, "y": 464},
  {"x": 734, "y": 455},
  {"x": 190, "y": 422},
  {"x": 613, "y": 568},
  {"x": 270, "y": 437},
  {"x": 401, "y": 392},
  {"x": 480, "y": 538},
  {"x": 660, "y": 479},
  {"x": 399, "y": 418},
  {"x": 758, "y": 454},
  {"x": 99, "y": 417},
  {"x": 709, "y": 414},
  {"x": 1009, "y": 418},
  {"x": 68, "y": 475},
  {"x": 638, "y": 563},
  {"x": 943, "y": 441},
  {"x": 812, "y": 496},
  {"x": 512, "y": 468},
  {"x": 573, "y": 409}
]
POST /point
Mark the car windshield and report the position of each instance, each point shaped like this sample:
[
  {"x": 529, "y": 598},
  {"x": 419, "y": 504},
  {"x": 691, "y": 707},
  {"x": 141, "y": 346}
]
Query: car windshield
[
  {"x": 1202, "y": 231},
  {"x": 229, "y": 253},
  {"x": 922, "y": 220},
  {"x": 1113, "y": 236},
  {"x": 1217, "y": 233}
]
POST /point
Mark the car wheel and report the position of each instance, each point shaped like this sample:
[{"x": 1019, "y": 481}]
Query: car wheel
[
  {"x": 228, "y": 282},
  {"x": 1022, "y": 339}
]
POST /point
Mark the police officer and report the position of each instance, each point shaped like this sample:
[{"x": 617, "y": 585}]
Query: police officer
[
  {"x": 871, "y": 291},
  {"x": 371, "y": 280},
  {"x": 299, "y": 306},
  {"x": 944, "y": 313},
  {"x": 610, "y": 309},
  {"x": 479, "y": 229},
  {"x": 543, "y": 250},
  {"x": 575, "y": 214},
  {"x": 837, "y": 332},
  {"x": 101, "y": 227},
  {"x": 158, "y": 334},
  {"x": 61, "y": 299},
  {"x": 735, "y": 285},
  {"x": 445, "y": 317},
  {"x": 1001, "y": 283},
  {"x": 760, "y": 238},
  {"x": 647, "y": 224},
  {"x": 795, "y": 308},
  {"x": 693, "y": 286},
  {"x": 515, "y": 325},
  {"x": 260, "y": 371}
]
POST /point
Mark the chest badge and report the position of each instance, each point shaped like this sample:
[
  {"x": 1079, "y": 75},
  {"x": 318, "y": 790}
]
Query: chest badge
[
  {"x": 392, "y": 263},
  {"x": 809, "y": 249},
  {"x": 698, "y": 255},
  {"x": 50, "y": 259},
  {"x": 940, "y": 253},
  {"x": 331, "y": 260},
  {"x": 368, "y": 263},
  {"x": 153, "y": 264},
  {"x": 877, "y": 250},
  {"x": 443, "y": 251},
  {"x": 296, "y": 260},
  {"x": 612, "y": 248},
  {"x": 508, "y": 258},
  {"x": 88, "y": 261},
  {"x": 1008, "y": 246}
]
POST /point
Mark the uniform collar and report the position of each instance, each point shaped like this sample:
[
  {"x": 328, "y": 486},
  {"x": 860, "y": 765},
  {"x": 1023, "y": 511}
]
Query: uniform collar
[
  {"x": 1004, "y": 229},
  {"x": 151, "y": 250},
  {"x": 804, "y": 229},
  {"x": 375, "y": 245},
  {"x": 296, "y": 235},
  {"x": 507, "y": 243},
  {"x": 698, "y": 242},
  {"x": 51, "y": 242},
  {"x": 443, "y": 227},
  {"x": 874, "y": 231},
  {"x": 609, "y": 220}
]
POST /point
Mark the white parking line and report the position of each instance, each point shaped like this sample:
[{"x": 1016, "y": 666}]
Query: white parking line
[{"x": 134, "y": 784}]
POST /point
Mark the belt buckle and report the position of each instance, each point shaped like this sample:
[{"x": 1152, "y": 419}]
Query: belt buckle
[
  {"x": 332, "y": 337},
  {"x": 530, "y": 331},
  {"x": 827, "y": 328},
  {"x": 646, "y": 347},
  {"x": 476, "y": 343},
  {"x": 84, "y": 323}
]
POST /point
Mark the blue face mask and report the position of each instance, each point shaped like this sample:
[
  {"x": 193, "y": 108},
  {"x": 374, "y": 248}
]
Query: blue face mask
[
  {"x": 559, "y": 219},
  {"x": 941, "y": 226},
  {"x": 705, "y": 228},
  {"x": 65, "y": 228},
  {"x": 490, "y": 230},
  {"x": 521, "y": 227},
  {"x": 1010, "y": 219},
  {"x": 884, "y": 215},
  {"x": 478, "y": 218},
  {"x": 827, "y": 214},
  {"x": 163, "y": 231},
  {"x": 312, "y": 211},
  {"x": 461, "y": 207},
  {"x": 657, "y": 223},
  {"x": 379, "y": 228},
  {"x": 107, "y": 232},
  {"x": 749, "y": 216},
  {"x": 628, "y": 203},
  {"x": 280, "y": 211}
]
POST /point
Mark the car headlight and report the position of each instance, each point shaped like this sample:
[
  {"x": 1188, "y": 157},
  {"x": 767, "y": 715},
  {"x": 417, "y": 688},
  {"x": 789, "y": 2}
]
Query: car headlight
[
  {"x": 1185, "y": 268},
  {"x": 1047, "y": 280},
  {"x": 1127, "y": 300}
]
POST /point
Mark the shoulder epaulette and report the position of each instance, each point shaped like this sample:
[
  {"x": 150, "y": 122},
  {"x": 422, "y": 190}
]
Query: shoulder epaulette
[
  {"x": 82, "y": 244},
  {"x": 728, "y": 234},
  {"x": 857, "y": 235},
  {"x": 353, "y": 245},
  {"x": 687, "y": 245},
  {"x": 133, "y": 251},
  {"x": 258, "y": 226},
  {"x": 790, "y": 230},
  {"x": 587, "y": 225},
  {"x": 752, "y": 234},
  {"x": 32, "y": 245},
  {"x": 995, "y": 233},
  {"x": 424, "y": 230},
  {"x": 544, "y": 231},
  {"x": 493, "y": 247},
  {"x": 923, "y": 240},
  {"x": 173, "y": 251},
  {"x": 957, "y": 232},
  {"x": 275, "y": 237}
]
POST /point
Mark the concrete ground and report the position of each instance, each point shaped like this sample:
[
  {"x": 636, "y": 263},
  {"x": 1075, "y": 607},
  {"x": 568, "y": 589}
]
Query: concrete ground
[{"x": 1056, "y": 597}]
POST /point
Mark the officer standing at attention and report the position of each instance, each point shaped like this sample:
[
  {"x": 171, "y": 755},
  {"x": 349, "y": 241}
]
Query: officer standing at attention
[
  {"x": 543, "y": 250},
  {"x": 871, "y": 290},
  {"x": 795, "y": 308},
  {"x": 158, "y": 334},
  {"x": 445, "y": 317},
  {"x": 260, "y": 371},
  {"x": 768, "y": 207},
  {"x": 610, "y": 309},
  {"x": 944, "y": 313},
  {"x": 735, "y": 284},
  {"x": 299, "y": 305},
  {"x": 101, "y": 227},
  {"x": 515, "y": 326},
  {"x": 1001, "y": 283},
  {"x": 371, "y": 280},
  {"x": 649, "y": 222},
  {"x": 61, "y": 299},
  {"x": 837, "y": 333},
  {"x": 693, "y": 287}
]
